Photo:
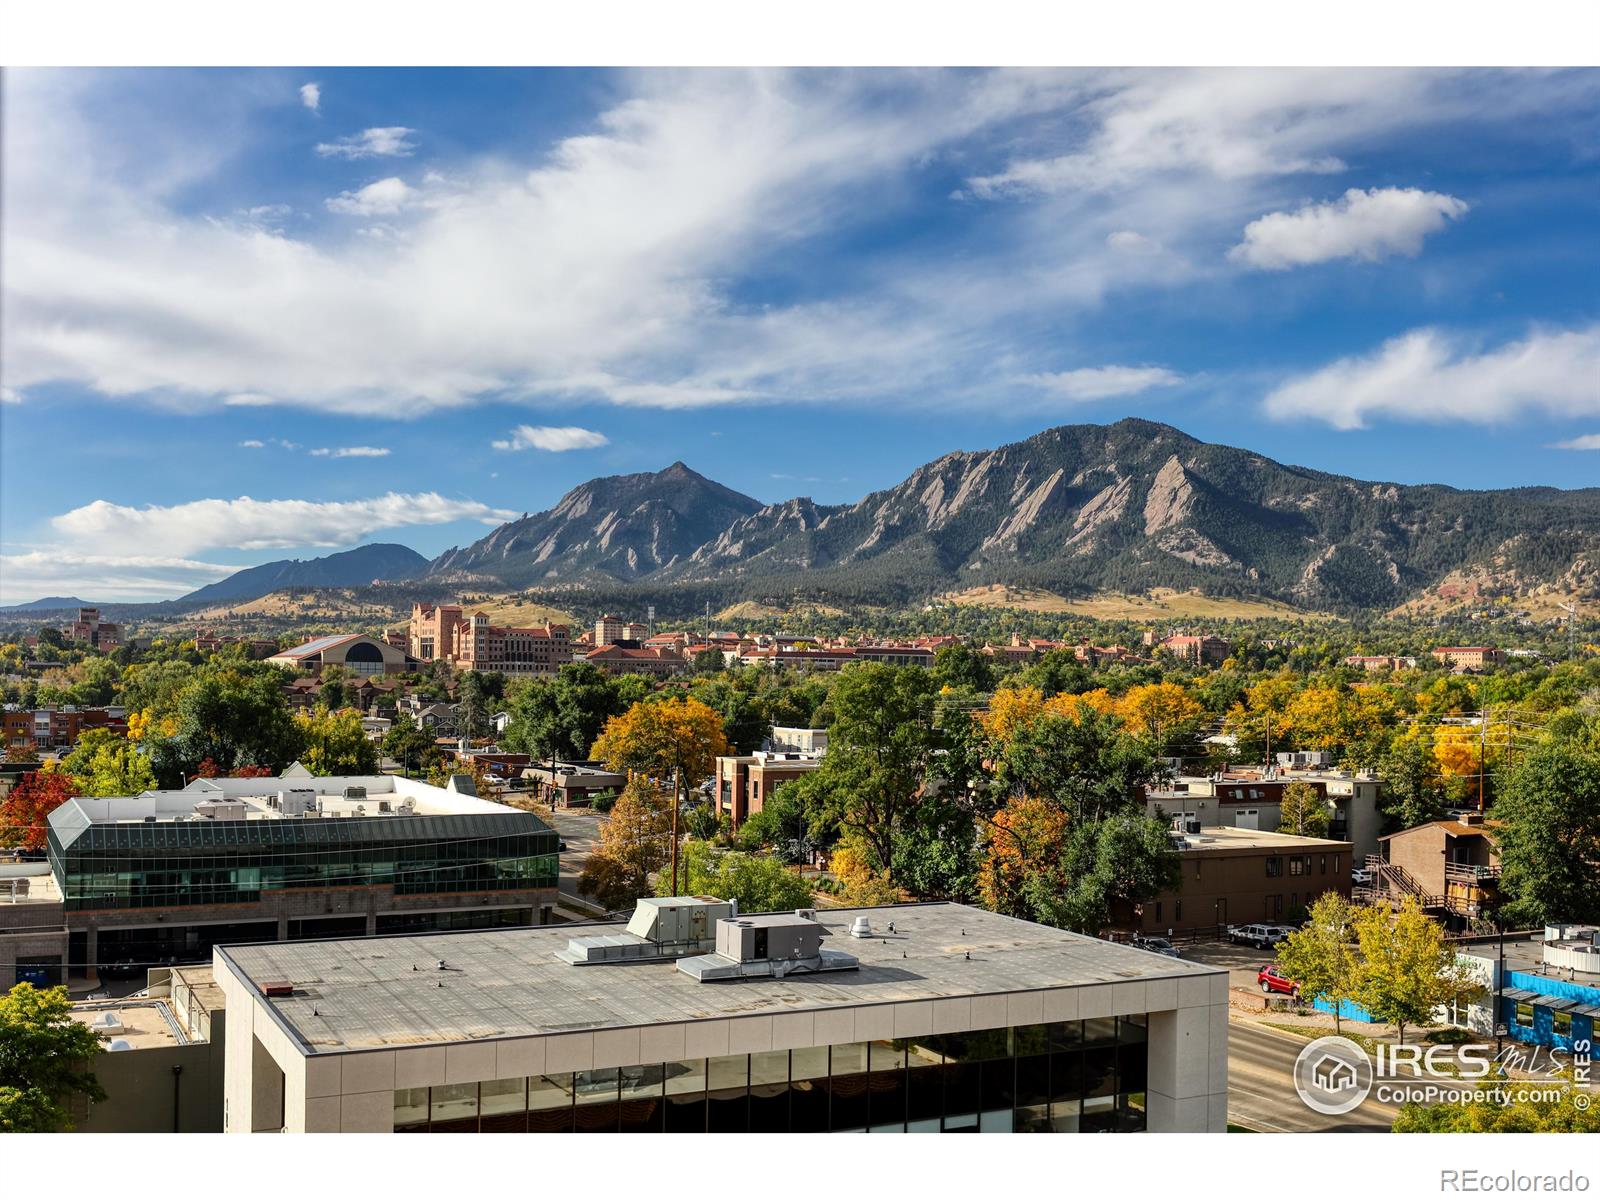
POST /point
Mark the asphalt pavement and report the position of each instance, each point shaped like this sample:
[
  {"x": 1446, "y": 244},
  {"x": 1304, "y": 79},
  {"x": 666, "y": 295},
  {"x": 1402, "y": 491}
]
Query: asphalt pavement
[{"x": 1261, "y": 1093}]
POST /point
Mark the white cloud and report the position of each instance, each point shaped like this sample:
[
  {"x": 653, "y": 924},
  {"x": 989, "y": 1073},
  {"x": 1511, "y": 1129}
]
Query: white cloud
[
  {"x": 311, "y": 96},
  {"x": 1425, "y": 375},
  {"x": 252, "y": 444},
  {"x": 1585, "y": 441},
  {"x": 543, "y": 276},
  {"x": 350, "y": 452},
  {"x": 1130, "y": 242},
  {"x": 1103, "y": 383},
  {"x": 383, "y": 198},
  {"x": 389, "y": 141},
  {"x": 550, "y": 437},
  {"x": 1369, "y": 225},
  {"x": 10, "y": 396},
  {"x": 245, "y": 524},
  {"x": 102, "y": 577}
]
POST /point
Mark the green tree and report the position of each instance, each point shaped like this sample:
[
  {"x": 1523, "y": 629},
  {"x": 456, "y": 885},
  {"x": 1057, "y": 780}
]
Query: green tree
[
  {"x": 1406, "y": 969},
  {"x": 335, "y": 743},
  {"x": 961, "y": 667},
  {"x": 1413, "y": 793},
  {"x": 561, "y": 718},
  {"x": 1085, "y": 764},
  {"x": 1321, "y": 955},
  {"x": 1549, "y": 836},
  {"x": 881, "y": 745},
  {"x": 759, "y": 882},
  {"x": 44, "y": 1060},
  {"x": 1111, "y": 863},
  {"x": 117, "y": 768},
  {"x": 414, "y": 749},
  {"x": 1303, "y": 811}
]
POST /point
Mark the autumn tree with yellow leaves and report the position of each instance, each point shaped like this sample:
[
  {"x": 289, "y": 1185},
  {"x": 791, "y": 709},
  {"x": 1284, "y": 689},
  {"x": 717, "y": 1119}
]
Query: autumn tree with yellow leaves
[{"x": 675, "y": 741}]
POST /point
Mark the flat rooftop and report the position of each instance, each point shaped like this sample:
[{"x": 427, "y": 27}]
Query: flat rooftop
[
  {"x": 1230, "y": 837},
  {"x": 144, "y": 1023},
  {"x": 41, "y": 889},
  {"x": 255, "y": 794},
  {"x": 364, "y": 993}
]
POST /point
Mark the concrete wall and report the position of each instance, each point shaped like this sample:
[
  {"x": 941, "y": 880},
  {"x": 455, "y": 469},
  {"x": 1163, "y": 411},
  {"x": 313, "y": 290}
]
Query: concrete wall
[
  {"x": 354, "y": 1091},
  {"x": 140, "y": 1092}
]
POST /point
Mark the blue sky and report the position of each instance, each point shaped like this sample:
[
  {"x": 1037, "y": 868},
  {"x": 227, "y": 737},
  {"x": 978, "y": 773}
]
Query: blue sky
[{"x": 269, "y": 313}]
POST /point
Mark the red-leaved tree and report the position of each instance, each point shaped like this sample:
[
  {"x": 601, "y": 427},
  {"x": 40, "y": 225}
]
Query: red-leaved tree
[{"x": 23, "y": 812}]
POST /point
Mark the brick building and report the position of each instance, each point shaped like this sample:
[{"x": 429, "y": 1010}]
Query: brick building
[
  {"x": 1232, "y": 876},
  {"x": 473, "y": 644}
]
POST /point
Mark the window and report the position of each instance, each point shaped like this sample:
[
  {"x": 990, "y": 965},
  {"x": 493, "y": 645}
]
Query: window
[
  {"x": 1561, "y": 1024},
  {"x": 1298, "y": 865},
  {"x": 1324, "y": 864},
  {"x": 1177, "y": 910},
  {"x": 1274, "y": 866},
  {"x": 1524, "y": 1014}
]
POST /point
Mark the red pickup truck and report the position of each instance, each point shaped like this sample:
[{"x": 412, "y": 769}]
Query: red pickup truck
[{"x": 1273, "y": 980}]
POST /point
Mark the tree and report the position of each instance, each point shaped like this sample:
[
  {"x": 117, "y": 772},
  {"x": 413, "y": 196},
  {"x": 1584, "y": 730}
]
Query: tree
[
  {"x": 707, "y": 661},
  {"x": 860, "y": 882},
  {"x": 334, "y": 743},
  {"x": 1025, "y": 840},
  {"x": 959, "y": 666},
  {"x": 1303, "y": 812},
  {"x": 27, "y": 807},
  {"x": 1112, "y": 863},
  {"x": 880, "y": 748},
  {"x": 1413, "y": 793},
  {"x": 117, "y": 768},
  {"x": 44, "y": 1055},
  {"x": 678, "y": 739},
  {"x": 234, "y": 719},
  {"x": 1164, "y": 714},
  {"x": 413, "y": 748},
  {"x": 1553, "y": 1107},
  {"x": 1549, "y": 836},
  {"x": 561, "y": 718},
  {"x": 758, "y": 882},
  {"x": 631, "y": 848},
  {"x": 1406, "y": 969},
  {"x": 1086, "y": 764},
  {"x": 1321, "y": 955}
]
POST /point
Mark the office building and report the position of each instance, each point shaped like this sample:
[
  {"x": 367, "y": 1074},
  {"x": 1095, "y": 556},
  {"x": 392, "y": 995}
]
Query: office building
[
  {"x": 163, "y": 876},
  {"x": 943, "y": 1018},
  {"x": 1232, "y": 876}
]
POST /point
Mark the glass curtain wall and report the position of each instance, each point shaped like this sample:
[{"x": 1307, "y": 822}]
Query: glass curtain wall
[{"x": 1065, "y": 1077}]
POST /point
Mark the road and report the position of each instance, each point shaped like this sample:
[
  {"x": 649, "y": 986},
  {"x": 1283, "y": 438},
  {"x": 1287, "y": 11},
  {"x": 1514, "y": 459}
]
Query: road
[
  {"x": 579, "y": 828},
  {"x": 1261, "y": 1093}
]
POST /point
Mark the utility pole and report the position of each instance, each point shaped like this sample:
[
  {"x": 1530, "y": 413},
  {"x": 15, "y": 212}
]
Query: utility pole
[
  {"x": 1269, "y": 739},
  {"x": 1483, "y": 763},
  {"x": 675, "y": 773}
]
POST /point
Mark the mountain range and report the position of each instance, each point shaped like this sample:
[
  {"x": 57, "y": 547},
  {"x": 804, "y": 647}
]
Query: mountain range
[
  {"x": 1076, "y": 509},
  {"x": 350, "y": 568}
]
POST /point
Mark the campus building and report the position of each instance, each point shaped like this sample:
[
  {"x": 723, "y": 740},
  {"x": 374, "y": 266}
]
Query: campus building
[
  {"x": 943, "y": 1018},
  {"x": 164, "y": 876},
  {"x": 357, "y": 653},
  {"x": 744, "y": 783},
  {"x": 443, "y": 632}
]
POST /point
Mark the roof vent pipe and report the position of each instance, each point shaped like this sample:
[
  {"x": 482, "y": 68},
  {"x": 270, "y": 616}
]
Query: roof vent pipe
[{"x": 860, "y": 928}]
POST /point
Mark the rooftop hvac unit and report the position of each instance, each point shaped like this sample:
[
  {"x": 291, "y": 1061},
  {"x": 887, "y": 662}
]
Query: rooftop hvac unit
[
  {"x": 292, "y": 802},
  {"x": 355, "y": 792},
  {"x": 383, "y": 806},
  {"x": 767, "y": 946},
  {"x": 661, "y": 927}
]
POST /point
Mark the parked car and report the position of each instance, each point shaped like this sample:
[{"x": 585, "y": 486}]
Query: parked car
[
  {"x": 1263, "y": 937},
  {"x": 1361, "y": 877},
  {"x": 561, "y": 846},
  {"x": 1156, "y": 945},
  {"x": 1273, "y": 981}
]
